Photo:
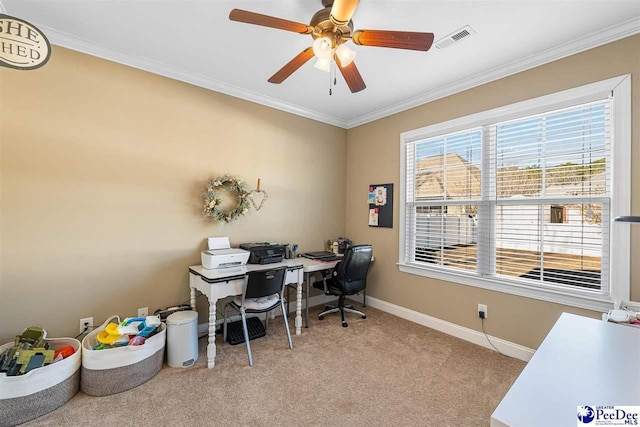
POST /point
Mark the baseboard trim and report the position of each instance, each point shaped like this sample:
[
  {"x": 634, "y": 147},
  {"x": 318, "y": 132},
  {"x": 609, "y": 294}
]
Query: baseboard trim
[
  {"x": 203, "y": 328},
  {"x": 505, "y": 347}
]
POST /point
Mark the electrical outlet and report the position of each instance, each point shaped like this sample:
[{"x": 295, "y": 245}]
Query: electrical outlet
[
  {"x": 85, "y": 324},
  {"x": 143, "y": 312},
  {"x": 483, "y": 307}
]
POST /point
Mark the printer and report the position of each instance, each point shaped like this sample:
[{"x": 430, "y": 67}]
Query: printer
[
  {"x": 221, "y": 255},
  {"x": 265, "y": 253}
]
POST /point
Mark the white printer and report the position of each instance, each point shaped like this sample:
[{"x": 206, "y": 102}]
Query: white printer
[{"x": 221, "y": 255}]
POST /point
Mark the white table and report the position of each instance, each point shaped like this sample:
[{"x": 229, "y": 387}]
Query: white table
[
  {"x": 582, "y": 361},
  {"x": 225, "y": 282}
]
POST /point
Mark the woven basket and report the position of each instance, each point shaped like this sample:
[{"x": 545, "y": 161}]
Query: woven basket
[
  {"x": 111, "y": 371},
  {"x": 40, "y": 391}
]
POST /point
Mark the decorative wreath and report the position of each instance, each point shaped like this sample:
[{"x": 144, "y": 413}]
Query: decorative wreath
[{"x": 220, "y": 188}]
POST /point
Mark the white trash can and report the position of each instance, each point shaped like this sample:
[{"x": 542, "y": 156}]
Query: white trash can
[{"x": 182, "y": 339}]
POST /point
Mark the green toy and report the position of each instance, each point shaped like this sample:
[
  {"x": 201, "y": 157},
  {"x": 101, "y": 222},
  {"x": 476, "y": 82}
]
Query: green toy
[{"x": 29, "y": 352}]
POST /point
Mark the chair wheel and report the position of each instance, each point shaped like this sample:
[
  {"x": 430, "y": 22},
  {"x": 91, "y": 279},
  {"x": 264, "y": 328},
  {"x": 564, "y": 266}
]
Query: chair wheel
[
  {"x": 364, "y": 316},
  {"x": 320, "y": 317},
  {"x": 344, "y": 324}
]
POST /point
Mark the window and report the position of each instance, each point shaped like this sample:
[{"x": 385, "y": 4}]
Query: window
[
  {"x": 520, "y": 199},
  {"x": 558, "y": 214}
]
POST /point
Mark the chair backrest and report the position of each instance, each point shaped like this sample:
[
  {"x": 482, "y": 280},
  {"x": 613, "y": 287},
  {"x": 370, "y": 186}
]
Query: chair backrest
[
  {"x": 265, "y": 283},
  {"x": 351, "y": 272}
]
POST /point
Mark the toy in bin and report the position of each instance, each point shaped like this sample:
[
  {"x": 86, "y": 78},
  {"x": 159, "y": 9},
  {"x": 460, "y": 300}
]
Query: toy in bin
[
  {"x": 133, "y": 331},
  {"x": 29, "y": 352}
]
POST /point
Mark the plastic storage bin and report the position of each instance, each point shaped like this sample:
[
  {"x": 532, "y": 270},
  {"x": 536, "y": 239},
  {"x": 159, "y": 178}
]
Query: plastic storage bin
[
  {"x": 182, "y": 339},
  {"x": 40, "y": 391},
  {"x": 114, "y": 370}
]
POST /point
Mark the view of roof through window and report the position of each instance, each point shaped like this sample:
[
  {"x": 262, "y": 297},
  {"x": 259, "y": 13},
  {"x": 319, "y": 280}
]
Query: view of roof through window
[{"x": 545, "y": 177}]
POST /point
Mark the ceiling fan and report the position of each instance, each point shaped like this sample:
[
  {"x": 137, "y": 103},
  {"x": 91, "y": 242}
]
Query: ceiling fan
[{"x": 331, "y": 28}]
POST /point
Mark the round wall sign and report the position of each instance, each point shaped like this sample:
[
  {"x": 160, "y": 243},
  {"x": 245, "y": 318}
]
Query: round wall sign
[{"x": 22, "y": 45}]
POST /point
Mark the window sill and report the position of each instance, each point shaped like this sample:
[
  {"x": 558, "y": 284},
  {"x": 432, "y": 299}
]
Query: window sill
[{"x": 590, "y": 302}]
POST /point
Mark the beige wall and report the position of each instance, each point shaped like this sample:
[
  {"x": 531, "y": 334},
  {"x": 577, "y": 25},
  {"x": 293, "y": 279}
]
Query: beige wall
[
  {"x": 102, "y": 172},
  {"x": 373, "y": 156},
  {"x": 102, "y": 169}
]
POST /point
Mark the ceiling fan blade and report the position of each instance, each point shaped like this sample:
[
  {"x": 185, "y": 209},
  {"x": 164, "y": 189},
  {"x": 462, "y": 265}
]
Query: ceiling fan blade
[
  {"x": 269, "y": 21},
  {"x": 342, "y": 11},
  {"x": 297, "y": 62},
  {"x": 352, "y": 76},
  {"x": 393, "y": 39}
]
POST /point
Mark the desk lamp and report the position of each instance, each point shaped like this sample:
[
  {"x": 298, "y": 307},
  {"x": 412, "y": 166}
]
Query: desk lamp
[{"x": 627, "y": 219}]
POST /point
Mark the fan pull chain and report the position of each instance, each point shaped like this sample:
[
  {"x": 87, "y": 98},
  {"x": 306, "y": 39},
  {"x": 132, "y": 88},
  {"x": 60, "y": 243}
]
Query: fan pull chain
[
  {"x": 332, "y": 70},
  {"x": 335, "y": 80}
]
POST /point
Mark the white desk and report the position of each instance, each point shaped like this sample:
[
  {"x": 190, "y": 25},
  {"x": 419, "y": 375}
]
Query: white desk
[
  {"x": 582, "y": 361},
  {"x": 225, "y": 282}
]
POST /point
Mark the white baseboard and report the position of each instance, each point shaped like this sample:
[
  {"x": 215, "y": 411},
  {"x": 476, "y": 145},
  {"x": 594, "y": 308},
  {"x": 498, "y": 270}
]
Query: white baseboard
[
  {"x": 505, "y": 347},
  {"x": 320, "y": 299},
  {"x": 203, "y": 328}
]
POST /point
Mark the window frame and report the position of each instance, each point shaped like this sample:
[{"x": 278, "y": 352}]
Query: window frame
[{"x": 619, "y": 88}]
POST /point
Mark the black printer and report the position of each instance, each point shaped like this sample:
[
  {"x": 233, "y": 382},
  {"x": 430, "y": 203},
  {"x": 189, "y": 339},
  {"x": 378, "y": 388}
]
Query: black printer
[{"x": 265, "y": 253}]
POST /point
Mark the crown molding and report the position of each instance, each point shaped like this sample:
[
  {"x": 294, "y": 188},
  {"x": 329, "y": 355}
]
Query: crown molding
[
  {"x": 68, "y": 41},
  {"x": 608, "y": 35}
]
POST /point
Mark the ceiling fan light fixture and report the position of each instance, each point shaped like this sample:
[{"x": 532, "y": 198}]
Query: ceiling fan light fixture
[
  {"x": 323, "y": 64},
  {"x": 330, "y": 28},
  {"x": 322, "y": 48},
  {"x": 345, "y": 55},
  {"x": 342, "y": 11}
]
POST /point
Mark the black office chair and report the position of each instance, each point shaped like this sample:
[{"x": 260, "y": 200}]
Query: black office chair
[
  {"x": 263, "y": 292},
  {"x": 348, "y": 278}
]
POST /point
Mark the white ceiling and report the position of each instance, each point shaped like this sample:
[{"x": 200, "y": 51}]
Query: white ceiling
[{"x": 194, "y": 41}]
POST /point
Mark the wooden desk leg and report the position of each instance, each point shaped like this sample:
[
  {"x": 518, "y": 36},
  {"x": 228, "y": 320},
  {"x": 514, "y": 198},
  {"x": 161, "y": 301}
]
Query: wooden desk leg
[
  {"x": 299, "y": 309},
  {"x": 306, "y": 308},
  {"x": 211, "y": 348},
  {"x": 193, "y": 299}
]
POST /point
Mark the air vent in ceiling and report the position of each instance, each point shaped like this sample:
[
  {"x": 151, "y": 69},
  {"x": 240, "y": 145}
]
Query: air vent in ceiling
[{"x": 454, "y": 37}]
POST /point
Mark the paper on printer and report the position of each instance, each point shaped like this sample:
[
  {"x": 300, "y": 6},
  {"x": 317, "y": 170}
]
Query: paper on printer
[{"x": 221, "y": 255}]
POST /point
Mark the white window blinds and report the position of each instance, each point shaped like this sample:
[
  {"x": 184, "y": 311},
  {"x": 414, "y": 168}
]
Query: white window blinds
[
  {"x": 552, "y": 197},
  {"x": 445, "y": 192},
  {"x": 526, "y": 200}
]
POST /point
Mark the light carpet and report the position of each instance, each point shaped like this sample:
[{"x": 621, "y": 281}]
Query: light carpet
[{"x": 379, "y": 371}]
